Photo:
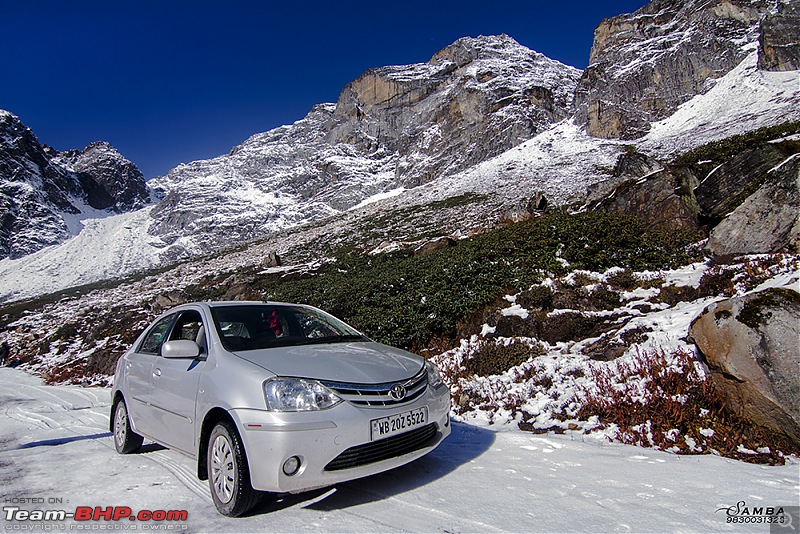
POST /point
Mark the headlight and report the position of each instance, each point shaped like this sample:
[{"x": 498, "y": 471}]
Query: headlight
[
  {"x": 298, "y": 395},
  {"x": 434, "y": 378}
]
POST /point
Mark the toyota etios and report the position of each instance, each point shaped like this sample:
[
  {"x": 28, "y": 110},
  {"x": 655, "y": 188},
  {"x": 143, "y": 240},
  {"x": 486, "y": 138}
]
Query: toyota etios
[{"x": 274, "y": 397}]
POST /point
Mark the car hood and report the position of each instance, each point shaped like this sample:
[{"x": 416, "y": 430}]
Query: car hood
[{"x": 361, "y": 363}]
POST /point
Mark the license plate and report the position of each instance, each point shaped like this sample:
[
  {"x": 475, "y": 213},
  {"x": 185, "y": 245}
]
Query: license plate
[{"x": 399, "y": 423}]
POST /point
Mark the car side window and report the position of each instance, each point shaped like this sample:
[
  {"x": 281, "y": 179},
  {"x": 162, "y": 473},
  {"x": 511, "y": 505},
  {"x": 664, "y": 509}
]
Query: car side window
[
  {"x": 189, "y": 326},
  {"x": 155, "y": 337}
]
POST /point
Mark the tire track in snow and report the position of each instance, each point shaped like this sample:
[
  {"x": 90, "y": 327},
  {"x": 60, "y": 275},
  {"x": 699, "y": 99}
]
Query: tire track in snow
[
  {"x": 181, "y": 472},
  {"x": 426, "y": 510}
]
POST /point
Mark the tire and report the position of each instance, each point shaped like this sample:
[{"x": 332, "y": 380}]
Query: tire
[
  {"x": 228, "y": 472},
  {"x": 126, "y": 440}
]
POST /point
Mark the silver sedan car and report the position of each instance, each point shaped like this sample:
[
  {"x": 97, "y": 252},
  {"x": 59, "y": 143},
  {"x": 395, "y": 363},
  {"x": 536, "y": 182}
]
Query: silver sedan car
[{"x": 272, "y": 397}]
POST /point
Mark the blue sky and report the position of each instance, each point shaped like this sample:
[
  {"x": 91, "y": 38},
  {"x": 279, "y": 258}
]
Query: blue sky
[{"x": 173, "y": 81}]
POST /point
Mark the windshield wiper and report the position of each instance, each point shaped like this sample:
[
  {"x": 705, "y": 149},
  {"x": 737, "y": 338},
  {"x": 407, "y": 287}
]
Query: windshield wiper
[{"x": 336, "y": 339}]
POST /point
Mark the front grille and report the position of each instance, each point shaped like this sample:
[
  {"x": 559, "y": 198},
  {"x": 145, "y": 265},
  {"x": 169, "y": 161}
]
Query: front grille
[
  {"x": 383, "y": 449},
  {"x": 378, "y": 394}
]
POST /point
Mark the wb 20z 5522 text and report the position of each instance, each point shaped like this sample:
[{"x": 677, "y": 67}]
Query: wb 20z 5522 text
[{"x": 388, "y": 426}]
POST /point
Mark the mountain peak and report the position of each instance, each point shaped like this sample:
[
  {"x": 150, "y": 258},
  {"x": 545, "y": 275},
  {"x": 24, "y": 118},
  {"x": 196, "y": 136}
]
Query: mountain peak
[{"x": 467, "y": 49}]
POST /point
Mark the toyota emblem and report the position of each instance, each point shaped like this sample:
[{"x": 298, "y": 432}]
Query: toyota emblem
[{"x": 397, "y": 392}]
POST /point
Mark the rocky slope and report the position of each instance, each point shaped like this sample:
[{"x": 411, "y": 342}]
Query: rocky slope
[{"x": 45, "y": 194}]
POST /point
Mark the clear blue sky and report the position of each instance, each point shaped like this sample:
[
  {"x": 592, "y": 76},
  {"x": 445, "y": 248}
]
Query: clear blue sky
[{"x": 174, "y": 81}]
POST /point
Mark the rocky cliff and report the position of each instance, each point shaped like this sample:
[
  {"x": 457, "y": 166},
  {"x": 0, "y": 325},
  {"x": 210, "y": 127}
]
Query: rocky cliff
[
  {"x": 645, "y": 64},
  {"x": 44, "y": 193},
  {"x": 779, "y": 46},
  {"x": 473, "y": 100},
  {"x": 109, "y": 180}
]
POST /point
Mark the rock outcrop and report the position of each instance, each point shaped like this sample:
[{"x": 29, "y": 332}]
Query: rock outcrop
[
  {"x": 768, "y": 220},
  {"x": 750, "y": 344},
  {"x": 663, "y": 196},
  {"x": 109, "y": 180},
  {"x": 43, "y": 191},
  {"x": 779, "y": 45},
  {"x": 645, "y": 64},
  {"x": 726, "y": 186}
]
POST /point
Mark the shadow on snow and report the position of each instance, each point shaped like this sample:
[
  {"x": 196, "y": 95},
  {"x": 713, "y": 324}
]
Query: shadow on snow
[
  {"x": 464, "y": 444},
  {"x": 61, "y": 441}
]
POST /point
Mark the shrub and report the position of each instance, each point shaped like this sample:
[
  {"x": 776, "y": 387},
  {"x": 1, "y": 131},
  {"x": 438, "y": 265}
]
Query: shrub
[
  {"x": 540, "y": 297},
  {"x": 622, "y": 279},
  {"x": 724, "y": 149},
  {"x": 716, "y": 281},
  {"x": 664, "y": 402},
  {"x": 674, "y": 294},
  {"x": 407, "y": 300},
  {"x": 494, "y": 358}
]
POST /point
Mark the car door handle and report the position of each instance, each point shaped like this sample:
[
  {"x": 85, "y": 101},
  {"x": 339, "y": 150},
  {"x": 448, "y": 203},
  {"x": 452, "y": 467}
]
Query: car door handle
[{"x": 157, "y": 373}]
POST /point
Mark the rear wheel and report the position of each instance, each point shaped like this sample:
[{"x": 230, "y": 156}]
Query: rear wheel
[
  {"x": 125, "y": 439},
  {"x": 228, "y": 473}
]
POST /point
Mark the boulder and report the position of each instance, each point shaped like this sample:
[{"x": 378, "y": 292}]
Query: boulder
[
  {"x": 664, "y": 198},
  {"x": 750, "y": 345}
]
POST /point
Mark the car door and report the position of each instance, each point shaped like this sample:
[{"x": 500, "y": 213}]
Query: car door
[
  {"x": 174, "y": 394},
  {"x": 139, "y": 374}
]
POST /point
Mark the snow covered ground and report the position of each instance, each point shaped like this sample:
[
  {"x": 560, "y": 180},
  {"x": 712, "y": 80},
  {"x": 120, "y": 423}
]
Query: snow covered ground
[{"x": 55, "y": 445}]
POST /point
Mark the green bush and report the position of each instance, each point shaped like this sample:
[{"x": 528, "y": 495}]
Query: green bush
[
  {"x": 407, "y": 300},
  {"x": 724, "y": 149},
  {"x": 497, "y": 358}
]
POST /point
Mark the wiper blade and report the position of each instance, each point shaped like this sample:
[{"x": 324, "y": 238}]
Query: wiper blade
[{"x": 336, "y": 339}]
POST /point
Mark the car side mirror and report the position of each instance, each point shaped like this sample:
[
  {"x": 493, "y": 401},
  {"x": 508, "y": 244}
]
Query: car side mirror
[{"x": 180, "y": 348}]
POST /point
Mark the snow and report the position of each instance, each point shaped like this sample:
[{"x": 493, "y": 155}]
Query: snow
[
  {"x": 57, "y": 440},
  {"x": 515, "y": 310},
  {"x": 109, "y": 247},
  {"x": 380, "y": 196},
  {"x": 550, "y": 385},
  {"x": 744, "y": 99},
  {"x": 548, "y": 163}
]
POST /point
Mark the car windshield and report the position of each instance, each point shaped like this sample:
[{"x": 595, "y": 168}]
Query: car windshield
[{"x": 252, "y": 327}]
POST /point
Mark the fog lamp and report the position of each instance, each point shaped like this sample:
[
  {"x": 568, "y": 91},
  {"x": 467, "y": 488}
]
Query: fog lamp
[{"x": 291, "y": 466}]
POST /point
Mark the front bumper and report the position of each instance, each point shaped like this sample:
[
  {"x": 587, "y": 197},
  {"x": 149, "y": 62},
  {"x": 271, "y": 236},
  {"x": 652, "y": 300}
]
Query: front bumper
[{"x": 317, "y": 438}]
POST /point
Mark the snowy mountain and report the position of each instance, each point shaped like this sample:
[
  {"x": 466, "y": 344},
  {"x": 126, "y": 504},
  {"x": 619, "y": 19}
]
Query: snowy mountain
[
  {"x": 436, "y": 148},
  {"x": 393, "y": 127},
  {"x": 44, "y": 194}
]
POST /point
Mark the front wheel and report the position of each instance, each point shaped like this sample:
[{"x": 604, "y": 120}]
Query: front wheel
[
  {"x": 125, "y": 439},
  {"x": 228, "y": 473}
]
